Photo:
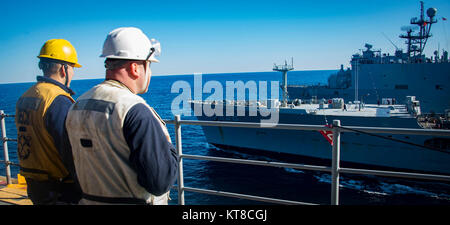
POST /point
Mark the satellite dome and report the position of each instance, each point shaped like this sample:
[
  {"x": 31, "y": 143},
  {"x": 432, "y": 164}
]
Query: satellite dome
[{"x": 431, "y": 12}]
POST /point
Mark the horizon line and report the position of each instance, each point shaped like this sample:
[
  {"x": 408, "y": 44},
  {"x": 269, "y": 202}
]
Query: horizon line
[{"x": 186, "y": 74}]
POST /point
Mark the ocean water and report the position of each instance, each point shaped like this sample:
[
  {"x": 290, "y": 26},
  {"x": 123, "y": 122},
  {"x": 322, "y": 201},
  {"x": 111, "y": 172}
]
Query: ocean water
[{"x": 289, "y": 184}]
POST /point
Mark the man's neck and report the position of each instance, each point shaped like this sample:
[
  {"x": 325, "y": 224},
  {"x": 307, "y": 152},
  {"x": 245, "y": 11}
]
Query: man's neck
[
  {"x": 127, "y": 83},
  {"x": 56, "y": 77}
]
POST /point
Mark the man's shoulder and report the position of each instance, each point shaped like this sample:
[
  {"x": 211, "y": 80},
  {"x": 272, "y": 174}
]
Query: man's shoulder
[
  {"x": 142, "y": 113},
  {"x": 139, "y": 111},
  {"x": 50, "y": 88},
  {"x": 62, "y": 100}
]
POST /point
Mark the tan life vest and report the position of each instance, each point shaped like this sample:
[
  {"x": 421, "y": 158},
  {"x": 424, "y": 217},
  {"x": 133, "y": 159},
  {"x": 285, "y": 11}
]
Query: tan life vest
[
  {"x": 39, "y": 159},
  {"x": 100, "y": 152}
]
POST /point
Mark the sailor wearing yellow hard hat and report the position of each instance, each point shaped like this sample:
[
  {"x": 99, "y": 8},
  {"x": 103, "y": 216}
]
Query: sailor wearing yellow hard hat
[{"x": 45, "y": 162}]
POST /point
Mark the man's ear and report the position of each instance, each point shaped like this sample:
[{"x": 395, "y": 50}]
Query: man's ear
[
  {"x": 133, "y": 70},
  {"x": 63, "y": 70}
]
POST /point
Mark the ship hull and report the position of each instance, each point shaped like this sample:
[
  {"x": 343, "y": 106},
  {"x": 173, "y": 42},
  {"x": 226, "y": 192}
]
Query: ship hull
[{"x": 355, "y": 147}]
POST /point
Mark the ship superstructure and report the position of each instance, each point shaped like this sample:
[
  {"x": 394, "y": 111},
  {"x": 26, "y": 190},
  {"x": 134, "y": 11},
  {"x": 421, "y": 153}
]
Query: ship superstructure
[{"x": 375, "y": 75}]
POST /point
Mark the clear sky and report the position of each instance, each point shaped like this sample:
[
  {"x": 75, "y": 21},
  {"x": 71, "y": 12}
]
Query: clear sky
[{"x": 212, "y": 36}]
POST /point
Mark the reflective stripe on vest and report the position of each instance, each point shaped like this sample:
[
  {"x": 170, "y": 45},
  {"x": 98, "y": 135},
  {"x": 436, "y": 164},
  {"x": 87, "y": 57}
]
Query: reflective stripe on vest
[{"x": 39, "y": 159}]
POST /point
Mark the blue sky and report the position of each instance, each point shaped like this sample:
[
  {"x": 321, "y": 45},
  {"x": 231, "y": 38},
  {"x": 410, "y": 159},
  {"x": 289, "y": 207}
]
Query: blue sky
[{"x": 211, "y": 36}]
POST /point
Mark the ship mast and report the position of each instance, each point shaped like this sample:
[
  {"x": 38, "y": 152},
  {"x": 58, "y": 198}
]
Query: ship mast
[
  {"x": 416, "y": 42},
  {"x": 284, "y": 69}
]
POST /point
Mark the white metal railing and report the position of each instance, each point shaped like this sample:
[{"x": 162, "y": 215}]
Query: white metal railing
[
  {"x": 5, "y": 147},
  {"x": 335, "y": 168}
]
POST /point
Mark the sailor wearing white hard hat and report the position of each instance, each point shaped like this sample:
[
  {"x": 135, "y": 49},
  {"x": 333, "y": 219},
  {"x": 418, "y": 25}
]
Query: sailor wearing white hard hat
[{"x": 121, "y": 148}]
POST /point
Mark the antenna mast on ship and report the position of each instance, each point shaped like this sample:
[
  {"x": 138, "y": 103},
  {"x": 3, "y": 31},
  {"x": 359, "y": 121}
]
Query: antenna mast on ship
[
  {"x": 421, "y": 38},
  {"x": 284, "y": 69}
]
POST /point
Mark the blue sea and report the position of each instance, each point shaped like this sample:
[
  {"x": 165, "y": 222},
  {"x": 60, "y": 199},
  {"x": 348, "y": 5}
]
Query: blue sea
[{"x": 289, "y": 184}]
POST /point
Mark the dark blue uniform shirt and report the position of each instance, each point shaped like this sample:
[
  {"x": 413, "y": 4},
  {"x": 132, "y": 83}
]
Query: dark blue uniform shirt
[{"x": 152, "y": 156}]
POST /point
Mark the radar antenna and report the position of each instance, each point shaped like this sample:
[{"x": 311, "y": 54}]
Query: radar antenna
[{"x": 416, "y": 42}]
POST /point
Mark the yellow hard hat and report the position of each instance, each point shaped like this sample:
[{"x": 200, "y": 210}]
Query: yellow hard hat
[{"x": 59, "y": 49}]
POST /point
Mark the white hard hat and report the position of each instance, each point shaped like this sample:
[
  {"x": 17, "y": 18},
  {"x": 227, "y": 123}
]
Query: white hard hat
[{"x": 130, "y": 43}]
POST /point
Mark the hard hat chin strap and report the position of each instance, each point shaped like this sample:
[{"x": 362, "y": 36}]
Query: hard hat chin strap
[
  {"x": 147, "y": 75},
  {"x": 67, "y": 74},
  {"x": 143, "y": 87}
]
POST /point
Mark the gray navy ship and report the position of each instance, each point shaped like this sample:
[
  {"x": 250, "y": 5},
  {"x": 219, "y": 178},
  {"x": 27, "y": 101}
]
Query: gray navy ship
[
  {"x": 405, "y": 78},
  {"x": 375, "y": 75}
]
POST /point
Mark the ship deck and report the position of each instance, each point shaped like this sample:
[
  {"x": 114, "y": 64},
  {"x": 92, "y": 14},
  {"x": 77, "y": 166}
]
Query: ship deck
[
  {"x": 368, "y": 110},
  {"x": 13, "y": 194},
  {"x": 353, "y": 110}
]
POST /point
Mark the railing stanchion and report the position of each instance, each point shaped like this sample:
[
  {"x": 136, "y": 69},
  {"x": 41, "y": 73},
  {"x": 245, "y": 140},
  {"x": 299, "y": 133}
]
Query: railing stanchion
[
  {"x": 335, "y": 163},
  {"x": 180, "y": 162},
  {"x": 5, "y": 148}
]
